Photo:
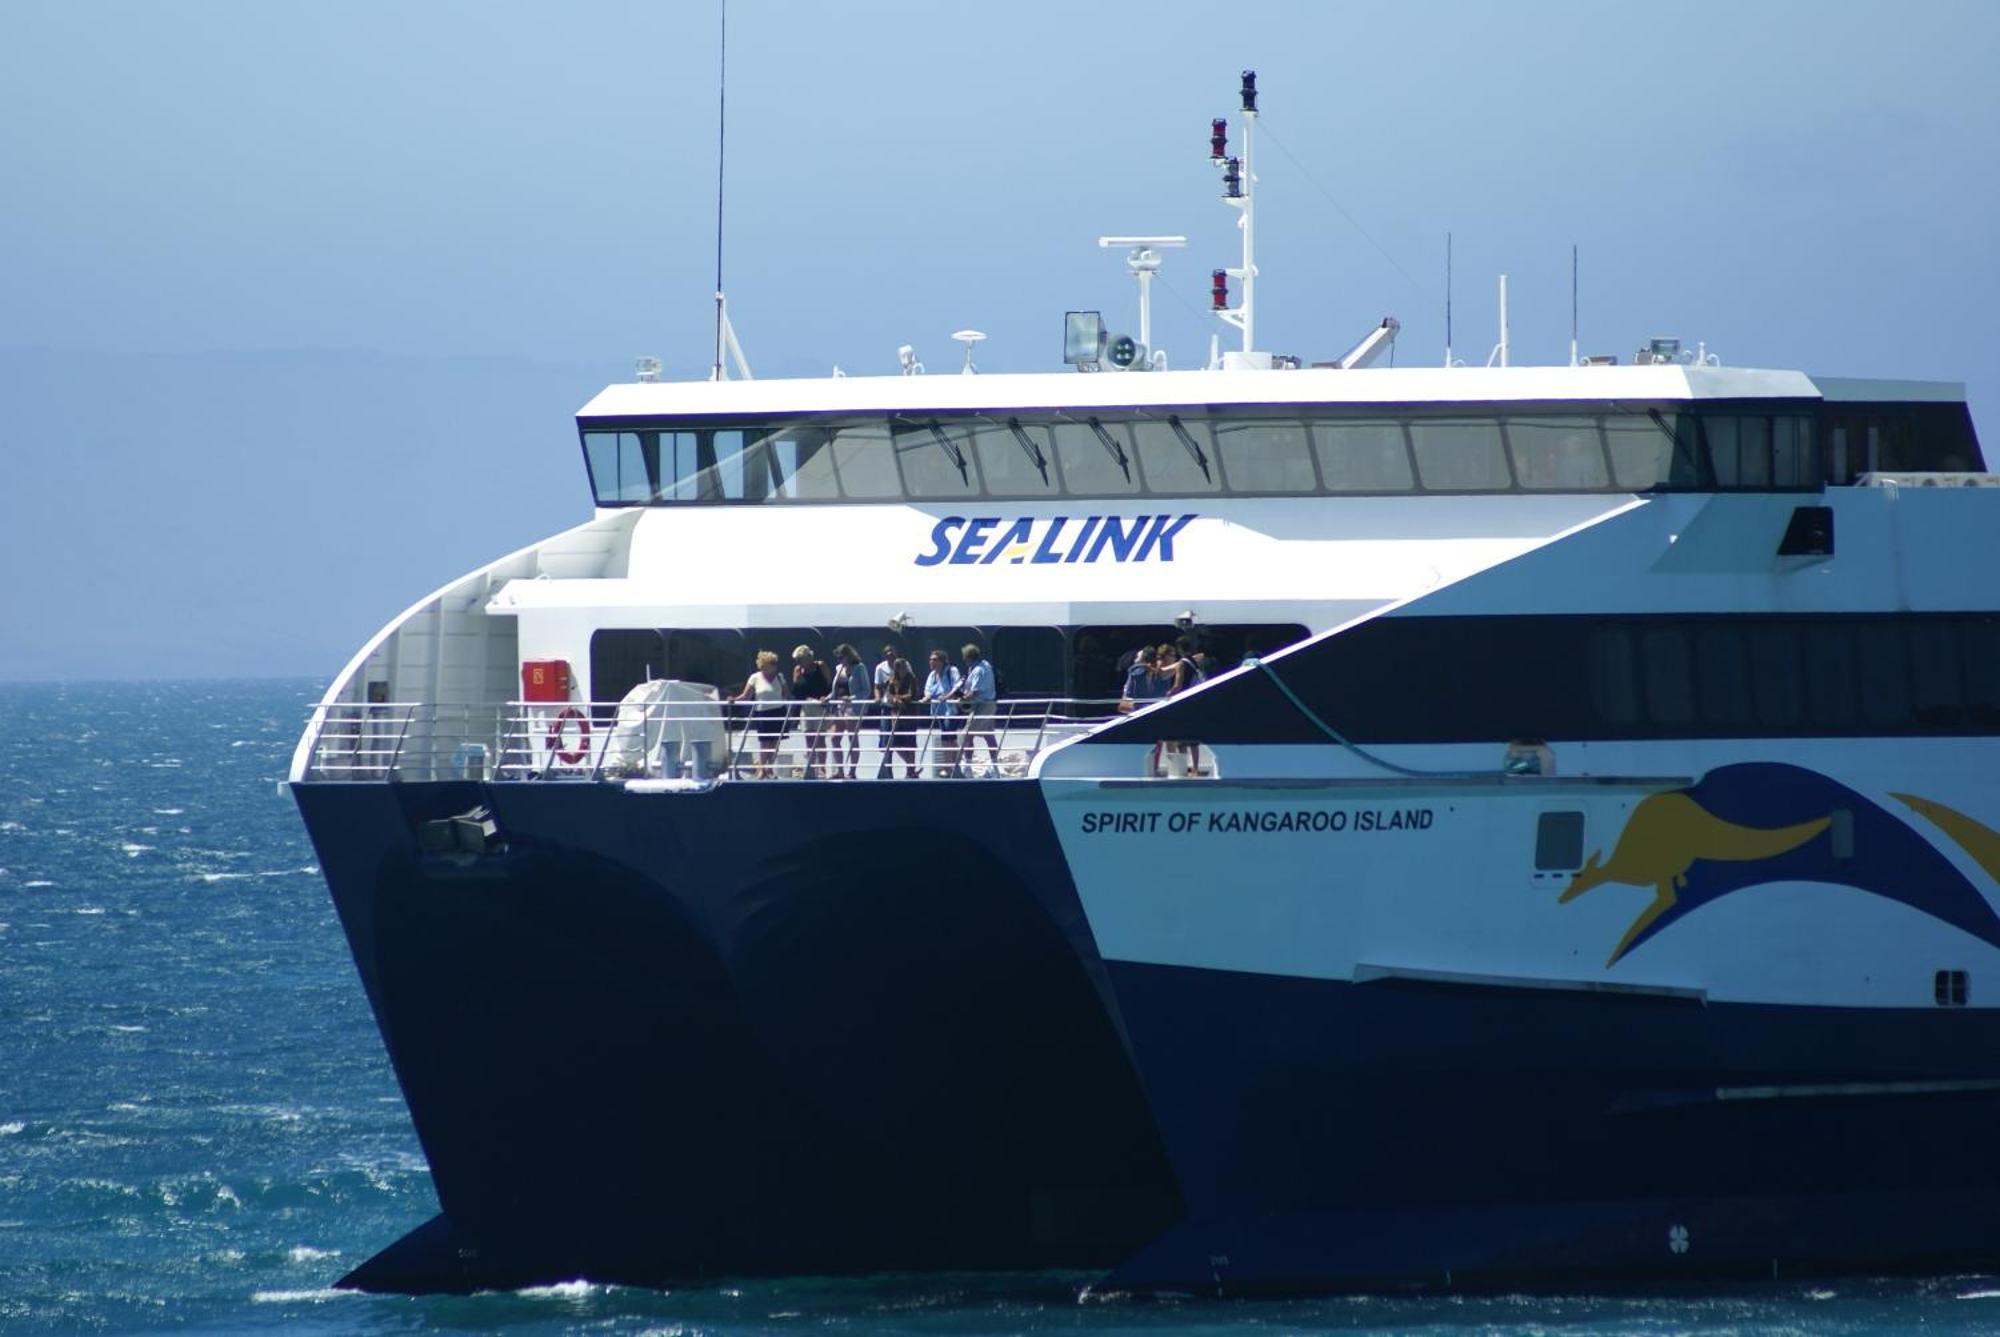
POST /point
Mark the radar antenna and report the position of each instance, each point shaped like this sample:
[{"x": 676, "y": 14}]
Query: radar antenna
[{"x": 1145, "y": 260}]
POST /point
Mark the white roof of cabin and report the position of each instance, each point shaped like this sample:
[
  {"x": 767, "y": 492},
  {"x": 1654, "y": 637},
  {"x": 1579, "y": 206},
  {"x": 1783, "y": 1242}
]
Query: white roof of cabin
[{"x": 948, "y": 393}]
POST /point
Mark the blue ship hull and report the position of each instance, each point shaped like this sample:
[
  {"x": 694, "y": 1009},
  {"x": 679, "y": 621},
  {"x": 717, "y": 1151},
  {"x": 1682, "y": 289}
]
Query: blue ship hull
[
  {"x": 769, "y": 1028},
  {"x": 820, "y": 1028},
  {"x": 1329, "y": 1135}
]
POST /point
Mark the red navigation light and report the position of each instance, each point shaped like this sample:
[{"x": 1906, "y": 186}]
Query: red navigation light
[
  {"x": 1218, "y": 289},
  {"x": 1232, "y": 179},
  {"x": 1218, "y": 140}
]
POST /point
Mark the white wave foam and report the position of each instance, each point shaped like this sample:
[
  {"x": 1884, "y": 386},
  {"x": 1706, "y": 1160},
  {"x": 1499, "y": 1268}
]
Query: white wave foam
[
  {"x": 10, "y": 1129},
  {"x": 224, "y": 877},
  {"x": 88, "y": 910},
  {"x": 1980, "y": 1295},
  {"x": 12, "y": 826},
  {"x": 133, "y": 850},
  {"x": 168, "y": 812},
  {"x": 319, "y": 1295},
  {"x": 130, "y": 1030},
  {"x": 39, "y": 882},
  {"x": 561, "y": 1290},
  {"x": 305, "y": 1253}
]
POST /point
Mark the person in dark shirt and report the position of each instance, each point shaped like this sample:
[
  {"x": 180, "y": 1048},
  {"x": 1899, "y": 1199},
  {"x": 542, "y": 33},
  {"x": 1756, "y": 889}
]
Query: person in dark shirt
[
  {"x": 811, "y": 685},
  {"x": 853, "y": 699},
  {"x": 1142, "y": 681},
  {"x": 900, "y": 701}
]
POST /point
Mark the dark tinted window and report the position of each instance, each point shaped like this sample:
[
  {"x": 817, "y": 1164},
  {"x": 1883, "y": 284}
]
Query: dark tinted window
[
  {"x": 1722, "y": 676},
  {"x": 717, "y": 658},
  {"x": 1029, "y": 660},
  {"x": 1614, "y": 676},
  {"x": 1937, "y": 686},
  {"x": 1663, "y": 656},
  {"x": 1832, "y": 689},
  {"x": 1882, "y": 672},
  {"x": 1558, "y": 841},
  {"x": 1775, "y": 684},
  {"x": 620, "y": 660}
]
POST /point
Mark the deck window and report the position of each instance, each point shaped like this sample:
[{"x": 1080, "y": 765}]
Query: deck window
[
  {"x": 864, "y": 454},
  {"x": 937, "y": 461},
  {"x": 1460, "y": 455},
  {"x": 1096, "y": 458},
  {"x": 1267, "y": 456},
  {"x": 1256, "y": 450},
  {"x": 1363, "y": 456},
  {"x": 1016, "y": 459},
  {"x": 1176, "y": 456},
  {"x": 1557, "y": 454}
]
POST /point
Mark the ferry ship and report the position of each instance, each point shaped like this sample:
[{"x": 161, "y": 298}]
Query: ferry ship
[{"x": 1578, "y": 860}]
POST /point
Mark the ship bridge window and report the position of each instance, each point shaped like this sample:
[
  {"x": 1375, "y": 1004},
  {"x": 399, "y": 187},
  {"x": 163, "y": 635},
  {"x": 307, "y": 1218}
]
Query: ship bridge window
[
  {"x": 800, "y": 464},
  {"x": 1177, "y": 455},
  {"x": 1363, "y": 456},
  {"x": 937, "y": 461},
  {"x": 1096, "y": 458},
  {"x": 1642, "y": 452},
  {"x": 1557, "y": 454},
  {"x": 1758, "y": 450},
  {"x": 618, "y": 467},
  {"x": 863, "y": 454},
  {"x": 1016, "y": 459},
  {"x": 1267, "y": 456},
  {"x": 1460, "y": 455}
]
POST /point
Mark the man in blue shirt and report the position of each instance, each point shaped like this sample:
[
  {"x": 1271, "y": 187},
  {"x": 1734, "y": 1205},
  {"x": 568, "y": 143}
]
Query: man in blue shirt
[{"x": 977, "y": 692}]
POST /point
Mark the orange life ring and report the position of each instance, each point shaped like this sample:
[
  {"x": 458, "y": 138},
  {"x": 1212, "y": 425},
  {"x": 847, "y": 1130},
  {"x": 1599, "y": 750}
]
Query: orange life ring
[{"x": 556, "y": 730}]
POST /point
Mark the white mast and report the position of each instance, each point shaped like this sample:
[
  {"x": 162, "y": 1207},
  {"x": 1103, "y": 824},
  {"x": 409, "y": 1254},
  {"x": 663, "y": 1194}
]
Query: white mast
[
  {"x": 1500, "y": 350},
  {"x": 1239, "y": 186}
]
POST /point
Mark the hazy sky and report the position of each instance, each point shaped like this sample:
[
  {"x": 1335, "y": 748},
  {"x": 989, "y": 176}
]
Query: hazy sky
[{"x": 451, "y": 189}]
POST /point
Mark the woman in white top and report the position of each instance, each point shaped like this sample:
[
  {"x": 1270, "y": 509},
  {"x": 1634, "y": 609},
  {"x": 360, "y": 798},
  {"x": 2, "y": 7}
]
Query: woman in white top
[{"x": 765, "y": 691}]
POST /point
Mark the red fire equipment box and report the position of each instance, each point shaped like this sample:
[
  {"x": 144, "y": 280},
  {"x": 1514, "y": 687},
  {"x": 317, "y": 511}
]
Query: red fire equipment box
[{"x": 545, "y": 680}]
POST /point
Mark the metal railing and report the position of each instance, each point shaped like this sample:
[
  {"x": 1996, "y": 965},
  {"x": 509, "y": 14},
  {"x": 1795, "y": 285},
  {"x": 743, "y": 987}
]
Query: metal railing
[{"x": 697, "y": 742}]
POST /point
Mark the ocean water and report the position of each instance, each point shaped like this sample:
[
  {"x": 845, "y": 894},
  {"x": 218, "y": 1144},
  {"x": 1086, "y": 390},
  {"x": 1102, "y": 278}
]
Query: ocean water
[{"x": 199, "y": 1131}]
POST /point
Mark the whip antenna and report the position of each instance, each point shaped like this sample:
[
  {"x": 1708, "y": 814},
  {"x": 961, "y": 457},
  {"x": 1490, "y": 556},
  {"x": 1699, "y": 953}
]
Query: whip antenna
[
  {"x": 1447, "y": 299},
  {"x": 725, "y": 333},
  {"x": 721, "y": 140}
]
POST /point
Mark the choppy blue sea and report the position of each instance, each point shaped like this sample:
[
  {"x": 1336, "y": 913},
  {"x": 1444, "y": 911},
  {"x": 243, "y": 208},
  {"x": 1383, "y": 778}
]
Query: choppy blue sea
[{"x": 199, "y": 1131}]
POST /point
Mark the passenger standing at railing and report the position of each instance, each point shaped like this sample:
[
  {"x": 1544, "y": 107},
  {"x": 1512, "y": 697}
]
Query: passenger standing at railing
[
  {"x": 765, "y": 691},
  {"x": 852, "y": 698},
  {"x": 883, "y": 668},
  {"x": 939, "y": 689},
  {"x": 902, "y": 706},
  {"x": 810, "y": 688},
  {"x": 977, "y": 692}
]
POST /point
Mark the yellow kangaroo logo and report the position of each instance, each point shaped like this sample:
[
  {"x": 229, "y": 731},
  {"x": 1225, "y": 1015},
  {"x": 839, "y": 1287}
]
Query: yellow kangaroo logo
[{"x": 1661, "y": 840}]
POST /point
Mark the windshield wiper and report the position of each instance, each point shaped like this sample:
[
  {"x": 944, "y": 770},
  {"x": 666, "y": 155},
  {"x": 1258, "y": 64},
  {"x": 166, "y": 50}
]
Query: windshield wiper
[
  {"x": 1111, "y": 444},
  {"x": 1035, "y": 455},
  {"x": 1193, "y": 447},
  {"x": 951, "y": 452}
]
